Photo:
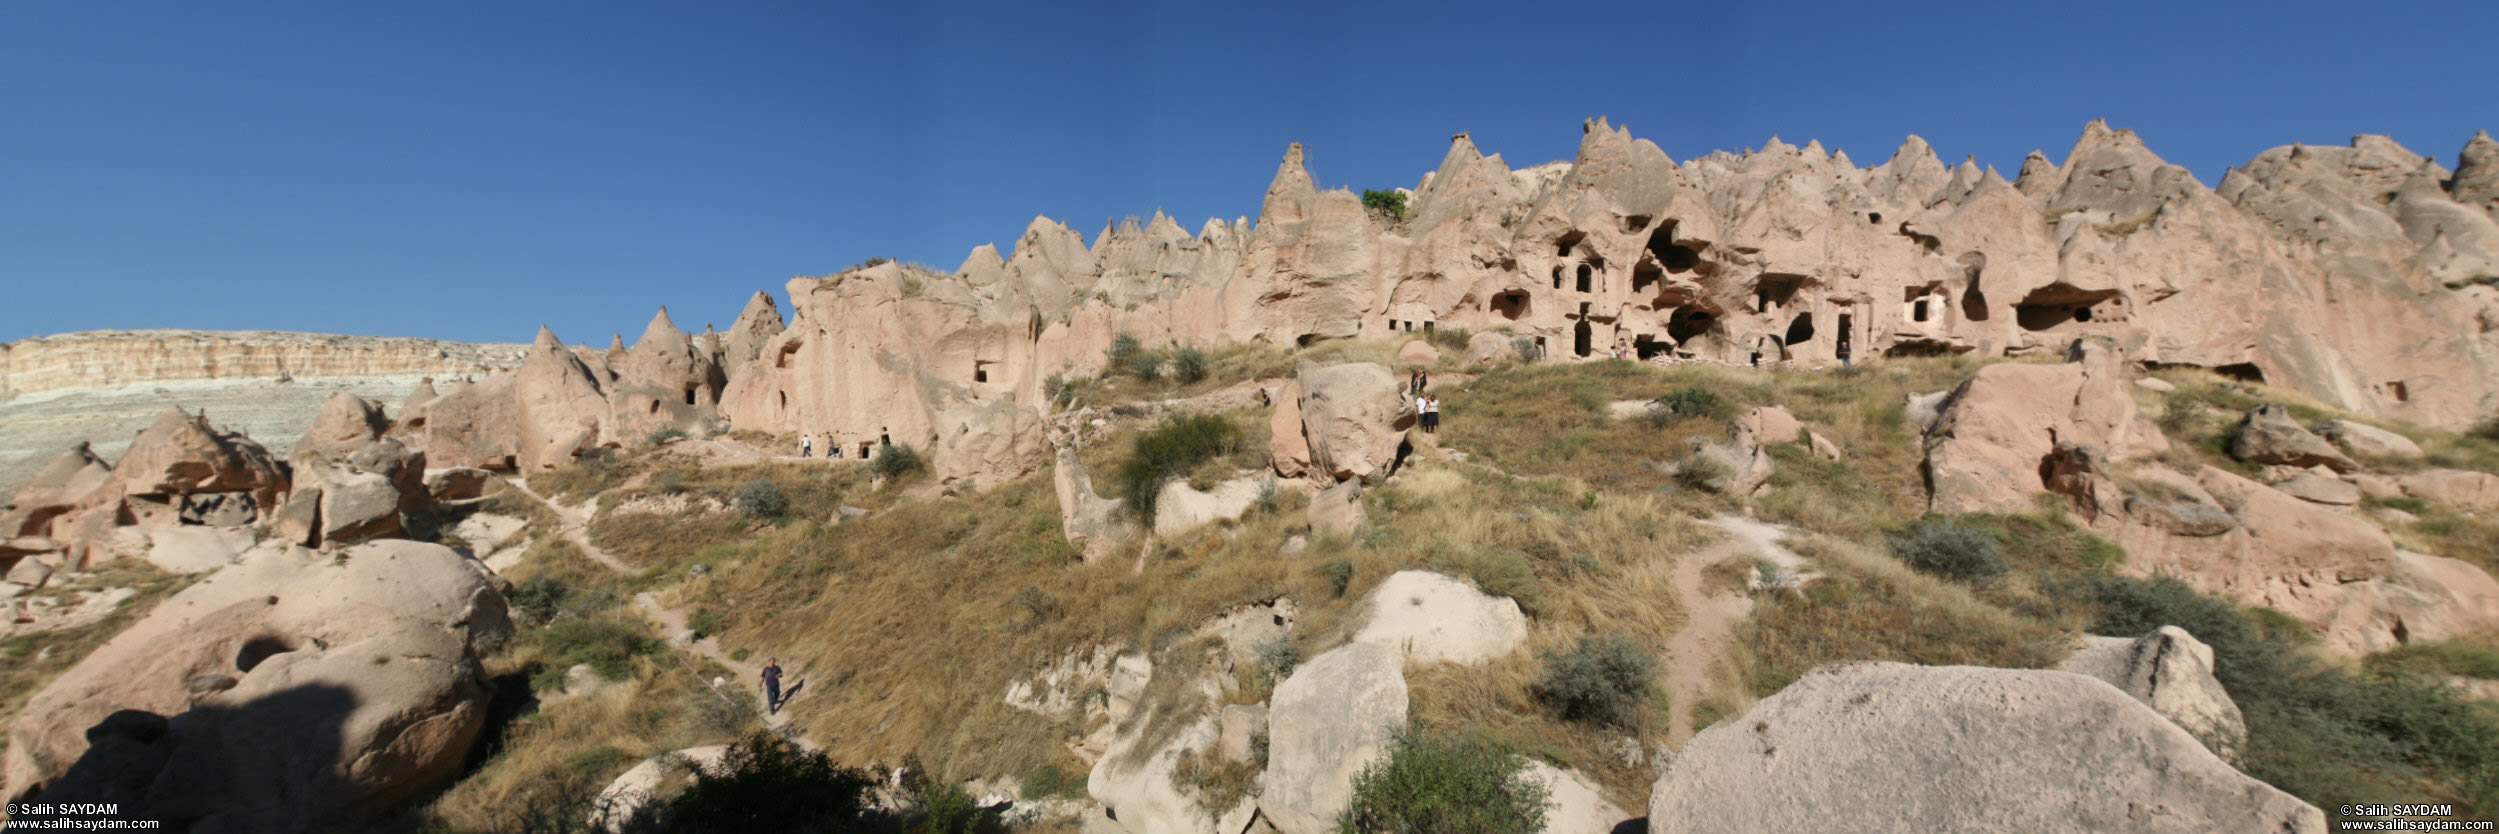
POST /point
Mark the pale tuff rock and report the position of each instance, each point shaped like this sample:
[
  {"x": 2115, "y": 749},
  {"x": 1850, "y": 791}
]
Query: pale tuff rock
[
  {"x": 1350, "y": 415},
  {"x": 104, "y": 358},
  {"x": 1985, "y": 448},
  {"x": 2171, "y": 672},
  {"x": 1573, "y": 804},
  {"x": 371, "y": 658},
  {"x": 345, "y": 423},
  {"x": 1332, "y": 718},
  {"x": 2461, "y": 489},
  {"x": 560, "y": 403},
  {"x": 2421, "y": 597},
  {"x": 1181, "y": 508},
  {"x": 756, "y": 325},
  {"x": 1287, "y": 450},
  {"x": 629, "y": 791},
  {"x": 1428, "y": 618},
  {"x": 1877, "y": 746},
  {"x": 1337, "y": 510},
  {"x": 1772, "y": 424},
  {"x": 2370, "y": 442},
  {"x": 2268, "y": 435}
]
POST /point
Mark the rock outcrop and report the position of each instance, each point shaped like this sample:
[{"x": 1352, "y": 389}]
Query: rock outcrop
[
  {"x": 2365, "y": 441},
  {"x": 1428, "y": 618},
  {"x": 1984, "y": 451},
  {"x": 102, "y": 358},
  {"x": 345, "y": 423},
  {"x": 1878, "y": 747},
  {"x": 1332, "y": 718},
  {"x": 2268, "y": 435},
  {"x": 1350, "y": 415},
  {"x": 2171, "y": 672},
  {"x": 335, "y": 689}
]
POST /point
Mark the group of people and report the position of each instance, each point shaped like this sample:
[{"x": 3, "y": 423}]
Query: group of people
[
  {"x": 1426, "y": 406},
  {"x": 832, "y": 450}
]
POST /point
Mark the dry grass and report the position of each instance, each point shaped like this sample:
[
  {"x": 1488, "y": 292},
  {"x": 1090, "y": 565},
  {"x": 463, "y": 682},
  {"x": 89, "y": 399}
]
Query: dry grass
[
  {"x": 1872, "y": 607},
  {"x": 33, "y": 660}
]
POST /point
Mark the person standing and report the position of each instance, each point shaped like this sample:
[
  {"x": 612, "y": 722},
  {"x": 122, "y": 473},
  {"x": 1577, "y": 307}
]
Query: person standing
[
  {"x": 772, "y": 685},
  {"x": 806, "y": 445},
  {"x": 1421, "y": 412},
  {"x": 1431, "y": 415}
]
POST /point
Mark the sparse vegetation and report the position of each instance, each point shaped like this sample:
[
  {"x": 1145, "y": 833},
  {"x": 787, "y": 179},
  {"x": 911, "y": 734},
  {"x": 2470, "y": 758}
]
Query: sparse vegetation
[
  {"x": 894, "y": 460},
  {"x": 1188, "y": 365},
  {"x": 1446, "y": 783},
  {"x": 607, "y": 645},
  {"x": 765, "y": 783},
  {"x": 1953, "y": 551},
  {"x": 1277, "y": 658},
  {"x": 1171, "y": 451},
  {"x": 663, "y": 435},
  {"x": 1450, "y": 338},
  {"x": 1606, "y": 680},
  {"x": 1389, "y": 203},
  {"x": 762, "y": 499}
]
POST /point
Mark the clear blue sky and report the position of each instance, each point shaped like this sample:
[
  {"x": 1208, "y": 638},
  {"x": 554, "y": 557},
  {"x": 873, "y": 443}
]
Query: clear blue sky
[{"x": 469, "y": 170}]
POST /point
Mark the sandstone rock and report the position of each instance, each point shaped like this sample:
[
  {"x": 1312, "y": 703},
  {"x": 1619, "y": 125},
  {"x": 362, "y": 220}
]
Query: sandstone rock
[
  {"x": 1925, "y": 409},
  {"x": 488, "y": 532},
  {"x": 2366, "y": 441},
  {"x": 1773, "y": 424},
  {"x": 1489, "y": 346},
  {"x": 1181, "y": 508},
  {"x": 346, "y": 423},
  {"x": 1418, "y": 352},
  {"x": 372, "y": 656},
  {"x": 1984, "y": 451},
  {"x": 1348, "y": 416},
  {"x": 357, "y": 506},
  {"x": 2296, "y": 549},
  {"x": 1136, "y": 784},
  {"x": 2421, "y": 597},
  {"x": 1743, "y": 466},
  {"x": 1822, "y": 446},
  {"x": 196, "y": 549},
  {"x": 2317, "y": 489},
  {"x": 183, "y": 455},
  {"x": 221, "y": 509},
  {"x": 1864, "y": 747},
  {"x": 1337, "y": 510},
  {"x": 412, "y": 409},
  {"x": 299, "y": 521},
  {"x": 1090, "y": 522},
  {"x": 1332, "y": 718},
  {"x": 1287, "y": 447},
  {"x": 629, "y": 791},
  {"x": 27, "y": 546},
  {"x": 2375, "y": 486},
  {"x": 2171, "y": 672},
  {"x": 1574, "y": 806},
  {"x": 1428, "y": 617},
  {"x": 2268, "y": 435},
  {"x": 458, "y": 483},
  {"x": 71, "y": 480},
  {"x": 583, "y": 681},
  {"x": 2461, "y": 489},
  {"x": 2393, "y": 516},
  {"x": 31, "y": 573},
  {"x": 2155, "y": 384},
  {"x": 755, "y": 326},
  {"x": 97, "y": 358},
  {"x": 1243, "y": 725}
]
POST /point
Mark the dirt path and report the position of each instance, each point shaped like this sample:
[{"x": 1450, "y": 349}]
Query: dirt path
[
  {"x": 1711, "y": 619},
  {"x": 672, "y": 622}
]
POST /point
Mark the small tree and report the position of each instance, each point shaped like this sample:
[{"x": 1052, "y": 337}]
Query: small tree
[
  {"x": 1188, "y": 365},
  {"x": 1951, "y": 550},
  {"x": 895, "y": 461},
  {"x": 1390, "y": 202},
  {"x": 761, "y": 498},
  {"x": 1145, "y": 364},
  {"x": 1122, "y": 347}
]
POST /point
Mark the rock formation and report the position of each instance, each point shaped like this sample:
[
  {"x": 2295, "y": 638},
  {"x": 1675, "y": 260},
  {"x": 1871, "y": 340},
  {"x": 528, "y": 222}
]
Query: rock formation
[
  {"x": 288, "y": 692},
  {"x": 562, "y": 401},
  {"x": 1881, "y": 746},
  {"x": 1328, "y": 721},
  {"x": 1427, "y": 618},
  {"x": 1985, "y": 448},
  {"x": 99, "y": 358},
  {"x": 2171, "y": 672}
]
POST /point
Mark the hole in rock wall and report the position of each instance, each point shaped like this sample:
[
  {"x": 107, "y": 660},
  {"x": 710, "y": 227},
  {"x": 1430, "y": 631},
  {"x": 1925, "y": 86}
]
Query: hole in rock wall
[
  {"x": 1580, "y": 339},
  {"x": 655, "y": 405},
  {"x": 1917, "y": 311},
  {"x": 1645, "y": 275},
  {"x": 782, "y": 359},
  {"x": 1688, "y": 323},
  {"x": 1584, "y": 274},
  {"x": 1800, "y": 329},
  {"x": 1774, "y": 290},
  {"x": 259, "y": 649},
  {"x": 980, "y": 375},
  {"x": 1634, "y": 223},
  {"x": 1557, "y": 276},
  {"x": 785, "y": 401},
  {"x": 2399, "y": 392},
  {"x": 1840, "y": 340},
  {"x": 2243, "y": 372},
  {"x": 863, "y": 451},
  {"x": 1647, "y": 346},
  {"x": 1673, "y": 256},
  {"x": 689, "y": 395},
  {"x": 1510, "y": 305},
  {"x": 1568, "y": 242},
  {"x": 1875, "y": 218},
  {"x": 2057, "y": 304}
]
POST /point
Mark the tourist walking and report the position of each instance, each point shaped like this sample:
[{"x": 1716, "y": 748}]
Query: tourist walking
[
  {"x": 772, "y": 684},
  {"x": 806, "y": 445}
]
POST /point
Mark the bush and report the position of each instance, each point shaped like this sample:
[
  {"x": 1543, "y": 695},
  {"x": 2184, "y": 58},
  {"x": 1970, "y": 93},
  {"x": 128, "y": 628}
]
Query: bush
[
  {"x": 1604, "y": 681},
  {"x": 539, "y": 600},
  {"x": 1062, "y": 390},
  {"x": 1525, "y": 348},
  {"x": 1701, "y": 472},
  {"x": 896, "y": 460},
  {"x": 1037, "y": 602},
  {"x": 765, "y": 783},
  {"x": 1506, "y": 574},
  {"x": 1144, "y": 364},
  {"x": 660, "y": 436},
  {"x": 2448, "y": 657},
  {"x": 1450, "y": 338},
  {"x": 1050, "y": 782},
  {"x": 705, "y": 623},
  {"x": 1952, "y": 551},
  {"x": 608, "y": 646},
  {"x": 1340, "y": 573},
  {"x": 761, "y": 498},
  {"x": 1277, "y": 658},
  {"x": 2487, "y": 429},
  {"x": 1442, "y": 783},
  {"x": 1123, "y": 346},
  {"x": 728, "y": 711},
  {"x": 1390, "y": 202},
  {"x": 1685, "y": 403},
  {"x": 1168, "y": 452},
  {"x": 1188, "y": 365}
]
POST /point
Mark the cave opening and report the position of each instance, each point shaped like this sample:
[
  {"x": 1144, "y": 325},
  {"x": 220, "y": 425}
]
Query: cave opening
[
  {"x": 2057, "y": 304},
  {"x": 1567, "y": 242},
  {"x": 1585, "y": 273},
  {"x": 1688, "y": 323},
  {"x": 1675, "y": 257},
  {"x": 1581, "y": 337},
  {"x": 1510, "y": 305},
  {"x": 1800, "y": 329}
]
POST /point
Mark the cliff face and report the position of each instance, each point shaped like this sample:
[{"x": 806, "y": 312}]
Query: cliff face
[{"x": 107, "y": 358}]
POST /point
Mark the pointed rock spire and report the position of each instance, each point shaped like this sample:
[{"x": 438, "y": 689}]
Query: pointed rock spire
[
  {"x": 2477, "y": 174},
  {"x": 661, "y": 332},
  {"x": 545, "y": 341}
]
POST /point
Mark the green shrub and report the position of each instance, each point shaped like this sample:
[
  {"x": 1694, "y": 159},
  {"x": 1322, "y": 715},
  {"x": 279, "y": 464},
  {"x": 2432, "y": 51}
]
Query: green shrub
[
  {"x": 1690, "y": 402},
  {"x": 2447, "y": 657},
  {"x": 1525, "y": 348},
  {"x": 1385, "y": 201},
  {"x": 1443, "y": 783},
  {"x": 2487, "y": 429},
  {"x": 1952, "y": 551},
  {"x": 1701, "y": 472},
  {"x": 765, "y": 783},
  {"x": 705, "y": 623},
  {"x": 761, "y": 498},
  {"x": 728, "y": 712},
  {"x": 1450, "y": 338},
  {"x": 600, "y": 462},
  {"x": 895, "y": 460},
  {"x": 669, "y": 483},
  {"x": 1049, "y": 782},
  {"x": 1340, "y": 574},
  {"x": 1169, "y": 451},
  {"x": 2406, "y": 503},
  {"x": 609, "y": 646},
  {"x": 1123, "y": 346},
  {"x": 1145, "y": 365},
  {"x": 1277, "y": 658},
  {"x": 660, "y": 436},
  {"x": 1063, "y": 390},
  {"x": 1506, "y": 574},
  {"x": 539, "y": 600},
  {"x": 1188, "y": 365},
  {"x": 1603, "y": 681}
]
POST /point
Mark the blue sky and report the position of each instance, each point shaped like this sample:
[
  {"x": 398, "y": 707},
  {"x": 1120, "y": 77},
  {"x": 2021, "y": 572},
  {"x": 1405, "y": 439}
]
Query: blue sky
[{"x": 469, "y": 170}]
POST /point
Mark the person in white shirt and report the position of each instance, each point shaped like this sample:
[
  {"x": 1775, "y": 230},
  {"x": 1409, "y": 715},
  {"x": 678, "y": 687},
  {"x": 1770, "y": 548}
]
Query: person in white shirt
[{"x": 806, "y": 445}]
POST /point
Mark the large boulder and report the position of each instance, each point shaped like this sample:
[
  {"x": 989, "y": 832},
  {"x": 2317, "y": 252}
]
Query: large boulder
[
  {"x": 2171, "y": 672},
  {"x": 1135, "y": 781},
  {"x": 2268, "y": 435},
  {"x": 1573, "y": 805},
  {"x": 1418, "y": 352},
  {"x": 2422, "y": 597},
  {"x": 1337, "y": 510},
  {"x": 69, "y": 481},
  {"x": 1287, "y": 447},
  {"x": 1429, "y": 617},
  {"x": 2458, "y": 488},
  {"x": 457, "y": 483},
  {"x": 1743, "y": 465},
  {"x": 1180, "y": 508},
  {"x": 355, "y": 687},
  {"x": 196, "y": 549},
  {"x": 1490, "y": 346},
  {"x": 1772, "y": 424},
  {"x": 1349, "y": 416},
  {"x": 2296, "y": 552},
  {"x": 1985, "y": 447},
  {"x": 183, "y": 455},
  {"x": 2366, "y": 441},
  {"x": 1876, "y": 747},
  {"x": 1335, "y": 716},
  {"x": 345, "y": 423}
]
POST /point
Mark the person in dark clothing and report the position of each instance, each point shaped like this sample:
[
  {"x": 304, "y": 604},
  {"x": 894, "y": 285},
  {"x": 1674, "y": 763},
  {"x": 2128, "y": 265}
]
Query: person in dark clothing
[{"x": 772, "y": 684}]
